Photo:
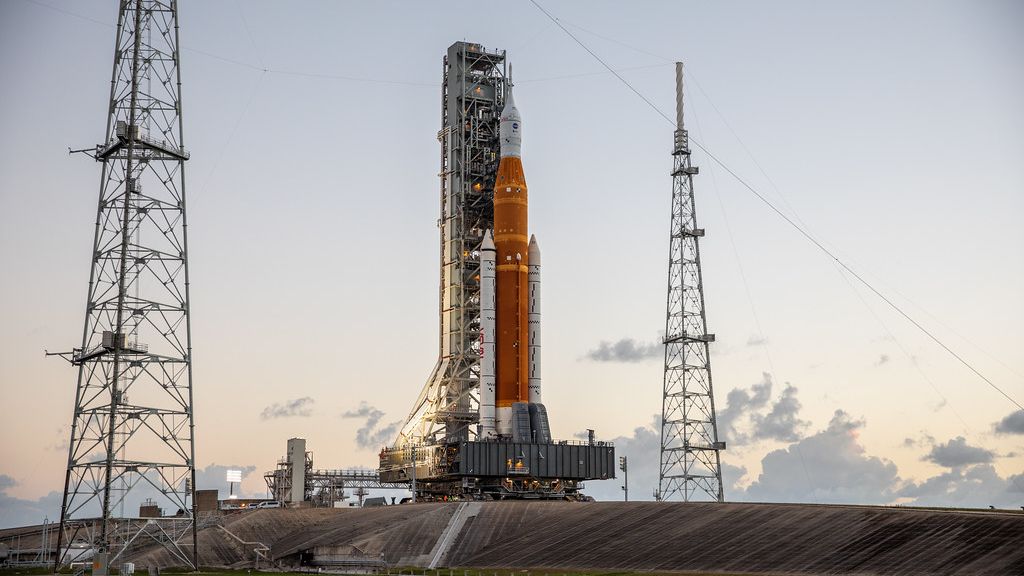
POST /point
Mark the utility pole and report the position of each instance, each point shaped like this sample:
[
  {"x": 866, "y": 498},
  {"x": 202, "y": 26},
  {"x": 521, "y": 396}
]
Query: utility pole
[{"x": 624, "y": 466}]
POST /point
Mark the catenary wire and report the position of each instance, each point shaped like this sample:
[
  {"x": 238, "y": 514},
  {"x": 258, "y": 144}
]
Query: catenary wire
[
  {"x": 945, "y": 404},
  {"x": 753, "y": 309},
  {"x": 262, "y": 67},
  {"x": 842, "y": 274},
  {"x": 789, "y": 220},
  {"x": 714, "y": 158}
]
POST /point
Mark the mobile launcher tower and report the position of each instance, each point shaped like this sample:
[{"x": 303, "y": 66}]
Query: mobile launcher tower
[{"x": 479, "y": 428}]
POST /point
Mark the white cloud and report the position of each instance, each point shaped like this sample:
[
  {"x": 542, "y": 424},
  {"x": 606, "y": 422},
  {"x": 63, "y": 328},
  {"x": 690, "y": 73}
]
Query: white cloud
[
  {"x": 22, "y": 512},
  {"x": 829, "y": 466},
  {"x": 739, "y": 404},
  {"x": 781, "y": 422},
  {"x": 643, "y": 449},
  {"x": 302, "y": 407},
  {"x": 744, "y": 419},
  {"x": 977, "y": 486},
  {"x": 1012, "y": 424},
  {"x": 957, "y": 453},
  {"x": 626, "y": 350}
]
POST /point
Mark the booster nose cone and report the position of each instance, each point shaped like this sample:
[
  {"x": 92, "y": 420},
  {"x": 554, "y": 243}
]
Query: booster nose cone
[
  {"x": 534, "y": 251},
  {"x": 510, "y": 129}
]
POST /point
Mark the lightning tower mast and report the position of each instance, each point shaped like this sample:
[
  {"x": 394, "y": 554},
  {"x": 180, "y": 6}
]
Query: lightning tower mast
[
  {"x": 690, "y": 463},
  {"x": 132, "y": 432}
]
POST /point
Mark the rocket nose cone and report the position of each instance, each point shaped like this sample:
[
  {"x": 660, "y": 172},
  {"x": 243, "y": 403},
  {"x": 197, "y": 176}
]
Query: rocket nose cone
[
  {"x": 534, "y": 251},
  {"x": 488, "y": 243},
  {"x": 510, "y": 128}
]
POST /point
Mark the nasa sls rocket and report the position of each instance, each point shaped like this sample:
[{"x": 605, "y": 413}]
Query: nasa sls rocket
[{"x": 510, "y": 382}]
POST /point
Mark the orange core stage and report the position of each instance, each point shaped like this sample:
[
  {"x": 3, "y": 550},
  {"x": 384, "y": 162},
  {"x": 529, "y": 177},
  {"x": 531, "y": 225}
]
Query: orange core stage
[{"x": 512, "y": 243}]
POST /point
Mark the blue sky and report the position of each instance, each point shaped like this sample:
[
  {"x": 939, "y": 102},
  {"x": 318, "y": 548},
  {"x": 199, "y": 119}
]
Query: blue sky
[{"x": 892, "y": 131}]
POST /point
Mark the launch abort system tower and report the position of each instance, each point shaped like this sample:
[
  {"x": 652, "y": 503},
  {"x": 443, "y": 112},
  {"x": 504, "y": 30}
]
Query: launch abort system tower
[
  {"x": 132, "y": 435},
  {"x": 690, "y": 465},
  {"x": 479, "y": 429}
]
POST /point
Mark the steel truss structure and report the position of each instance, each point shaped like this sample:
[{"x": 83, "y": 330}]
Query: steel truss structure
[
  {"x": 690, "y": 460},
  {"x": 132, "y": 433},
  {"x": 325, "y": 488},
  {"x": 472, "y": 96}
]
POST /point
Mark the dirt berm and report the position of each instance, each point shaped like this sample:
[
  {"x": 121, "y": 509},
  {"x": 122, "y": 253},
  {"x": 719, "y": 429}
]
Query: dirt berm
[{"x": 640, "y": 536}]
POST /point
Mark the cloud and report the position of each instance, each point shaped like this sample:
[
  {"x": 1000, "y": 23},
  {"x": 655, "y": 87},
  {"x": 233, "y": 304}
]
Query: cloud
[
  {"x": 831, "y": 466},
  {"x": 828, "y": 467},
  {"x": 732, "y": 476},
  {"x": 1012, "y": 424},
  {"x": 883, "y": 359},
  {"x": 24, "y": 512},
  {"x": 744, "y": 419},
  {"x": 781, "y": 423},
  {"x": 369, "y": 436},
  {"x": 977, "y": 486},
  {"x": 739, "y": 404},
  {"x": 643, "y": 449},
  {"x": 925, "y": 439},
  {"x": 756, "y": 340},
  {"x": 214, "y": 477},
  {"x": 299, "y": 407},
  {"x": 958, "y": 453},
  {"x": 626, "y": 350}
]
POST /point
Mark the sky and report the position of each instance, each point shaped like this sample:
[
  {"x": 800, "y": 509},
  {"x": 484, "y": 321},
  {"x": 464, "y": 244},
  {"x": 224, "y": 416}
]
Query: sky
[{"x": 892, "y": 132}]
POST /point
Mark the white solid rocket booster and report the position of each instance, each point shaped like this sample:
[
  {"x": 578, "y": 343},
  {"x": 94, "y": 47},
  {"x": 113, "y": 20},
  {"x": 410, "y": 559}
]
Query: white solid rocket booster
[
  {"x": 533, "y": 287},
  {"x": 488, "y": 274}
]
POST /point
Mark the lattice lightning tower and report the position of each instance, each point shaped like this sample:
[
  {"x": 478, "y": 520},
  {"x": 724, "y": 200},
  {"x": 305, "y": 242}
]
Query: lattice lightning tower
[
  {"x": 132, "y": 433},
  {"x": 690, "y": 462}
]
